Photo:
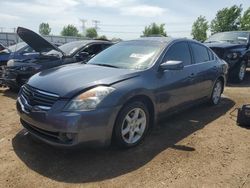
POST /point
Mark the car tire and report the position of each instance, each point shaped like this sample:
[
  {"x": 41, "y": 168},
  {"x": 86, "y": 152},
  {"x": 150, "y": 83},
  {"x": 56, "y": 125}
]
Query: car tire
[
  {"x": 216, "y": 93},
  {"x": 238, "y": 74},
  {"x": 131, "y": 125}
]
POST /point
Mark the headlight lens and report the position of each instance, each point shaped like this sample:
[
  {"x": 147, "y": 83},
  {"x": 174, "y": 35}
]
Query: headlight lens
[
  {"x": 10, "y": 62},
  {"x": 89, "y": 99},
  {"x": 232, "y": 55}
]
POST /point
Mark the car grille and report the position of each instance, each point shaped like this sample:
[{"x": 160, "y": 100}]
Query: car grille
[
  {"x": 35, "y": 97},
  {"x": 55, "y": 137}
]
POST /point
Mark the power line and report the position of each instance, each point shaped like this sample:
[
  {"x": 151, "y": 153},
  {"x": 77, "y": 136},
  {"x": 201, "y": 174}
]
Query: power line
[
  {"x": 96, "y": 23},
  {"x": 104, "y": 31},
  {"x": 140, "y": 25}
]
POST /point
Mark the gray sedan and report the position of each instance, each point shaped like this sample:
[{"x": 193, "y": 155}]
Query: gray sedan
[{"x": 120, "y": 93}]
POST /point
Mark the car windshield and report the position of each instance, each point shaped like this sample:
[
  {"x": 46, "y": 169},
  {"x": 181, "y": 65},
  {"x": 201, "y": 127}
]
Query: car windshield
[
  {"x": 232, "y": 37},
  {"x": 129, "y": 55},
  {"x": 17, "y": 46},
  {"x": 69, "y": 48}
]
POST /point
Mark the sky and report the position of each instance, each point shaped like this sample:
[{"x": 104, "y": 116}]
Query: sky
[{"x": 124, "y": 19}]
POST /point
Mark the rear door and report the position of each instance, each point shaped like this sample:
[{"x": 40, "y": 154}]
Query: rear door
[{"x": 205, "y": 70}]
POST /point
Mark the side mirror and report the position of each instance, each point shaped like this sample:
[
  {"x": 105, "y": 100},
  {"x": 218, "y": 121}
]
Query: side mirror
[
  {"x": 82, "y": 55},
  {"x": 172, "y": 65}
]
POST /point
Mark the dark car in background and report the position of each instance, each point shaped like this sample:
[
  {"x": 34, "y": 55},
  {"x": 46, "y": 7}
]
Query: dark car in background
[
  {"x": 18, "y": 72},
  {"x": 120, "y": 93},
  {"x": 2, "y": 47},
  {"x": 234, "y": 48},
  {"x": 21, "y": 51}
]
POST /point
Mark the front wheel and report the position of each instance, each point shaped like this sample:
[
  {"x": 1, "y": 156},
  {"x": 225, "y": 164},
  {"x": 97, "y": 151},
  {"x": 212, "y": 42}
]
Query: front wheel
[
  {"x": 131, "y": 125},
  {"x": 239, "y": 73},
  {"x": 216, "y": 93}
]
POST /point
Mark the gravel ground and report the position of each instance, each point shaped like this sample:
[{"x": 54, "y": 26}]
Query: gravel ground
[{"x": 201, "y": 147}]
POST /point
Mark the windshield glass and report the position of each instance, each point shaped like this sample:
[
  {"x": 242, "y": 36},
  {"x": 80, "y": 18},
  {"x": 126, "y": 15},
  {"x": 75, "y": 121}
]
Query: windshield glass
[
  {"x": 233, "y": 37},
  {"x": 128, "y": 55},
  {"x": 17, "y": 46},
  {"x": 69, "y": 48}
]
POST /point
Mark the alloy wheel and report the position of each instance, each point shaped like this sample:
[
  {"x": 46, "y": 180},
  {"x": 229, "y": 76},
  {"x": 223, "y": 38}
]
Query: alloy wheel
[
  {"x": 242, "y": 71},
  {"x": 134, "y": 125},
  {"x": 217, "y": 92}
]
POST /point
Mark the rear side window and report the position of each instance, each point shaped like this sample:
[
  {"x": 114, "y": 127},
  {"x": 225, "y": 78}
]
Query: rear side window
[
  {"x": 178, "y": 52},
  {"x": 200, "y": 53}
]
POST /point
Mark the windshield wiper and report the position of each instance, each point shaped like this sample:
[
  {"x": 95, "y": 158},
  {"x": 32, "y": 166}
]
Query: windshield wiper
[{"x": 105, "y": 65}]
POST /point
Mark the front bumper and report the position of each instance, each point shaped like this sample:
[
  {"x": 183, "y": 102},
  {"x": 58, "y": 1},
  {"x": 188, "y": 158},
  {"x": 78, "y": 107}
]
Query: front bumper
[
  {"x": 2, "y": 75},
  {"x": 69, "y": 129},
  {"x": 15, "y": 78}
]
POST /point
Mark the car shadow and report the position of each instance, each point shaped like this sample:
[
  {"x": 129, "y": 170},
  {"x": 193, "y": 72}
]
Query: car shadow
[
  {"x": 91, "y": 165},
  {"x": 8, "y": 93},
  {"x": 245, "y": 83}
]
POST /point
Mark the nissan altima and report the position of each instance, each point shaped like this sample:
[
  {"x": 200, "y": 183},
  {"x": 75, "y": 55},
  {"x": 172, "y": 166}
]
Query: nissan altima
[{"x": 121, "y": 93}]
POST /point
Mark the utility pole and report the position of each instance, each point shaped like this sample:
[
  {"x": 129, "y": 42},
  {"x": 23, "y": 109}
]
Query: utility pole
[
  {"x": 96, "y": 23},
  {"x": 83, "y": 21}
]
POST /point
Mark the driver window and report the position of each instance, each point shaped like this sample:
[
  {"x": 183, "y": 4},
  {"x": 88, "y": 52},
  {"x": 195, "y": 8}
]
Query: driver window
[{"x": 178, "y": 52}]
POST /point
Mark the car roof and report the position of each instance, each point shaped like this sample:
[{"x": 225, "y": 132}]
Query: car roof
[
  {"x": 88, "y": 41},
  {"x": 164, "y": 40},
  {"x": 156, "y": 39}
]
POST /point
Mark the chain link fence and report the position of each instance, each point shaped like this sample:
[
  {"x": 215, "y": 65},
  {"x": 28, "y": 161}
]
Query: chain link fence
[{"x": 8, "y": 39}]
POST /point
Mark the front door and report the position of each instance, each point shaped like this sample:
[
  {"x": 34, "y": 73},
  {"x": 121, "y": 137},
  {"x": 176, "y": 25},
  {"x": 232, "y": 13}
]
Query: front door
[{"x": 175, "y": 86}]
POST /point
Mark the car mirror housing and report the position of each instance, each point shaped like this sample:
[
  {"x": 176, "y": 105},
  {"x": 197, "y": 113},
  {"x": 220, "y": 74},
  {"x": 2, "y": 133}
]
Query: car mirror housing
[{"x": 172, "y": 65}]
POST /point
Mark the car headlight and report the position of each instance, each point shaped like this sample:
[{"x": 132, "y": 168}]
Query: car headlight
[
  {"x": 233, "y": 55},
  {"x": 10, "y": 62},
  {"x": 89, "y": 100}
]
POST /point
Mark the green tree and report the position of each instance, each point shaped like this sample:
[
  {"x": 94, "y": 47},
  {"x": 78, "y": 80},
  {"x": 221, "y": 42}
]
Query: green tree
[
  {"x": 70, "y": 30},
  {"x": 116, "y": 39},
  {"x": 227, "y": 19},
  {"x": 91, "y": 33},
  {"x": 102, "y": 37},
  {"x": 44, "y": 29},
  {"x": 199, "y": 29},
  {"x": 245, "y": 21},
  {"x": 154, "y": 29}
]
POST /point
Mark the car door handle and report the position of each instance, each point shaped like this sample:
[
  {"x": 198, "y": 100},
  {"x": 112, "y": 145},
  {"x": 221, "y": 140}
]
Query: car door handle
[
  {"x": 214, "y": 68},
  {"x": 191, "y": 76}
]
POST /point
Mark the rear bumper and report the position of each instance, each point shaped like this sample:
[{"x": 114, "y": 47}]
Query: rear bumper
[{"x": 67, "y": 129}]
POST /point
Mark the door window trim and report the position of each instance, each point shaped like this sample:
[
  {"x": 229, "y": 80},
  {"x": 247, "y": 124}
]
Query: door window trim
[
  {"x": 192, "y": 42},
  {"x": 166, "y": 50}
]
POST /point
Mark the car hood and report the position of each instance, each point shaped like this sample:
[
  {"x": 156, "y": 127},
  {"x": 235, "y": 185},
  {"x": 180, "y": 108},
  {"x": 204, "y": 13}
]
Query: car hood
[
  {"x": 35, "y": 41},
  {"x": 67, "y": 81},
  {"x": 224, "y": 45}
]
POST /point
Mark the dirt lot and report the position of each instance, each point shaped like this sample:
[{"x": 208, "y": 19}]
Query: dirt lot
[{"x": 201, "y": 147}]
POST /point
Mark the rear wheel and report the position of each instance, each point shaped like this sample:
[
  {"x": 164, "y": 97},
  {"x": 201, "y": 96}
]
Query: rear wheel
[
  {"x": 216, "y": 93},
  {"x": 131, "y": 125}
]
